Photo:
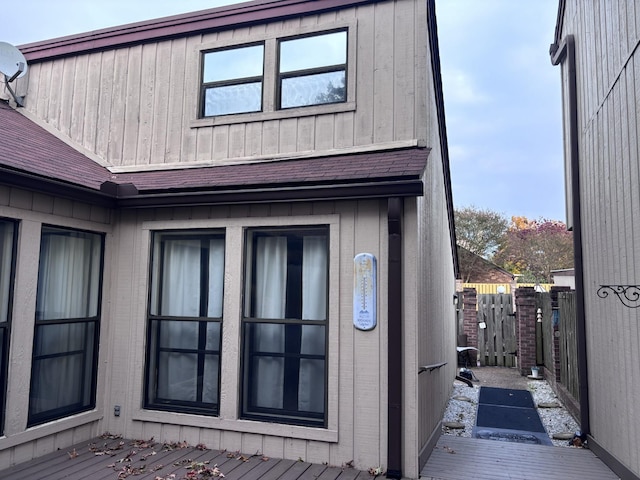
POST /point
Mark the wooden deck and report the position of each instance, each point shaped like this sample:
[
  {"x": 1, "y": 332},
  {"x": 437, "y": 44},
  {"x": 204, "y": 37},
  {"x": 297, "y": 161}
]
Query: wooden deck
[
  {"x": 117, "y": 459},
  {"x": 462, "y": 458},
  {"x": 454, "y": 458}
]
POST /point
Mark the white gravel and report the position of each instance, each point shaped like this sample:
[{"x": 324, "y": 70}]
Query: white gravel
[{"x": 555, "y": 420}]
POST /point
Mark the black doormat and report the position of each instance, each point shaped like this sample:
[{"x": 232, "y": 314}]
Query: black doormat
[
  {"x": 509, "y": 418},
  {"x": 506, "y": 397}
]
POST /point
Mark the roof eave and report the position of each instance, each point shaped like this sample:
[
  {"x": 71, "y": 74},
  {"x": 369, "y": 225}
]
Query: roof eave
[{"x": 221, "y": 18}]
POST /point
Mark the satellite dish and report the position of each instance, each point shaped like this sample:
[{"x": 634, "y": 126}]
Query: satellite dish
[{"x": 12, "y": 62}]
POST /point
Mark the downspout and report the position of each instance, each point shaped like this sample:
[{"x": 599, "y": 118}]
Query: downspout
[
  {"x": 395, "y": 352},
  {"x": 559, "y": 53}
]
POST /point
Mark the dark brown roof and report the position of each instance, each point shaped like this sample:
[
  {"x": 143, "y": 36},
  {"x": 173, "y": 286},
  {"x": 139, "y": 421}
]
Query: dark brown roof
[
  {"x": 31, "y": 157},
  {"x": 27, "y": 147},
  {"x": 222, "y": 18}
]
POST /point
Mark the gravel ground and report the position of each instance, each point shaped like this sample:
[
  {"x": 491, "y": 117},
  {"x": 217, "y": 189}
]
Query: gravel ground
[{"x": 463, "y": 403}]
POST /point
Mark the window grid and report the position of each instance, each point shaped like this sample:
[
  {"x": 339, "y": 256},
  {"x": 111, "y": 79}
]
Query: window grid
[{"x": 161, "y": 356}]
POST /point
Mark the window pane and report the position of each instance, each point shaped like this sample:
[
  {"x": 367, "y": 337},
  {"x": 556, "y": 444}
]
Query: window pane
[
  {"x": 6, "y": 262},
  {"x": 62, "y": 370},
  {"x": 183, "y": 357},
  {"x": 313, "y": 90},
  {"x": 313, "y": 52},
  {"x": 235, "y": 63},
  {"x": 69, "y": 274},
  {"x": 285, "y": 357},
  {"x": 229, "y": 99}
]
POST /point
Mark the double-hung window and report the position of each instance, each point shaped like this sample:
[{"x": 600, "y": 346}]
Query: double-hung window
[
  {"x": 285, "y": 325},
  {"x": 232, "y": 80},
  {"x": 8, "y": 234},
  {"x": 313, "y": 70},
  {"x": 185, "y": 321},
  {"x": 65, "y": 347}
]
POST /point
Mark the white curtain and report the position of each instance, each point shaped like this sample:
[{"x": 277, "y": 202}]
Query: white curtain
[
  {"x": 68, "y": 284},
  {"x": 6, "y": 247},
  {"x": 180, "y": 297},
  {"x": 270, "y": 284}
]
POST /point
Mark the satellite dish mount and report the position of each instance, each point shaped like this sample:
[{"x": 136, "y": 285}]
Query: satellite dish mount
[{"x": 12, "y": 65}]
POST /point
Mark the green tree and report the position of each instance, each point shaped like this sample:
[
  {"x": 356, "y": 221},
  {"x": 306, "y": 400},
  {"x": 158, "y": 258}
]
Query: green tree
[{"x": 481, "y": 231}]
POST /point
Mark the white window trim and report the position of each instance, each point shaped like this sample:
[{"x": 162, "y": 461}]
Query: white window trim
[
  {"x": 269, "y": 111},
  {"x": 230, "y": 379}
]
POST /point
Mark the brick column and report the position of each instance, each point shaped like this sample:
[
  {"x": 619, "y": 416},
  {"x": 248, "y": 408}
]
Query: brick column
[
  {"x": 470, "y": 316},
  {"x": 526, "y": 328}
]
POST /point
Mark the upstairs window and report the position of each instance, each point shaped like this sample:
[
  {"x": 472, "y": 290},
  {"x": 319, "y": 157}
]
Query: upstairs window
[
  {"x": 232, "y": 80},
  {"x": 313, "y": 70},
  {"x": 7, "y": 265}
]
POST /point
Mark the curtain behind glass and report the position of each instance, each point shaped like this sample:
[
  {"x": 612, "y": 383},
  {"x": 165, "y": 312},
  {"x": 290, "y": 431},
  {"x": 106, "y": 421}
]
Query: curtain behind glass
[
  {"x": 270, "y": 284},
  {"x": 181, "y": 297},
  {"x": 63, "y": 352},
  {"x": 6, "y": 248}
]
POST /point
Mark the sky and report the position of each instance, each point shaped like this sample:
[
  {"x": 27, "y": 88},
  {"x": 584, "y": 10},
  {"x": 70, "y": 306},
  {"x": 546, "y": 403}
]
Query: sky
[{"x": 502, "y": 95}]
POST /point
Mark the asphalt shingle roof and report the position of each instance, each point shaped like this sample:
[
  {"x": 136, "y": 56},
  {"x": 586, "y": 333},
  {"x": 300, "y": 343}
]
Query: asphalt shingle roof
[{"x": 27, "y": 148}]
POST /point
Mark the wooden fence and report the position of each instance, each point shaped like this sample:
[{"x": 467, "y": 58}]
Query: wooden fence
[
  {"x": 497, "y": 340},
  {"x": 568, "y": 343}
]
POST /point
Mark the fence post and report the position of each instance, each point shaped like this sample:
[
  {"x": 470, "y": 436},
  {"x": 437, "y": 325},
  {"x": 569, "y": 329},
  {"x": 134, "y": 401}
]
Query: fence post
[{"x": 526, "y": 328}]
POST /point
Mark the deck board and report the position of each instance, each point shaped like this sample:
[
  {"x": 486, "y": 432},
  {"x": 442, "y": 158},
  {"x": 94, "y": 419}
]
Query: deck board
[{"x": 461, "y": 458}]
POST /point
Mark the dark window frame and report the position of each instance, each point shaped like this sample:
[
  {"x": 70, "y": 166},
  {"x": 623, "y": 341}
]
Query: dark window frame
[
  {"x": 5, "y": 326},
  {"x": 205, "y": 86},
  {"x": 307, "y": 72},
  {"x": 154, "y": 322},
  {"x": 286, "y": 415},
  {"x": 91, "y": 321}
]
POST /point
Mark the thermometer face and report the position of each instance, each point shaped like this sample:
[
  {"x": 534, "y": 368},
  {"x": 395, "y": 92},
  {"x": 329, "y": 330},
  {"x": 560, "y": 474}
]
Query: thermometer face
[{"x": 364, "y": 291}]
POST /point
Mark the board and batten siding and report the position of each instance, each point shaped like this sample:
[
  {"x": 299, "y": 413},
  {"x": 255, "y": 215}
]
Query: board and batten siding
[
  {"x": 32, "y": 210},
  {"x": 137, "y": 106},
  {"x": 607, "y": 37},
  {"x": 357, "y": 360}
]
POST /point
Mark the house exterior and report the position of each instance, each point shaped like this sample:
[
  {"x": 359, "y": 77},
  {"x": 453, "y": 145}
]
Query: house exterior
[
  {"x": 232, "y": 227},
  {"x": 595, "y": 47}
]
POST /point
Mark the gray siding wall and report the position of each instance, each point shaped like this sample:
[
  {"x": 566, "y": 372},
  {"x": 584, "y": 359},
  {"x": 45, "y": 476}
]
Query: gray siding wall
[{"x": 607, "y": 36}]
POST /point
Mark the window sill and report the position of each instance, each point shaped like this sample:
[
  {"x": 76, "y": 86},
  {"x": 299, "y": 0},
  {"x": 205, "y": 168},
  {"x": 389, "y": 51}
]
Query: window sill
[
  {"x": 276, "y": 115},
  {"x": 50, "y": 428},
  {"x": 242, "y": 426}
]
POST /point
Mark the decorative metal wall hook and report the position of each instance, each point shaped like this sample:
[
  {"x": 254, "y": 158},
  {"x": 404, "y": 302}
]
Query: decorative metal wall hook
[{"x": 629, "y": 295}]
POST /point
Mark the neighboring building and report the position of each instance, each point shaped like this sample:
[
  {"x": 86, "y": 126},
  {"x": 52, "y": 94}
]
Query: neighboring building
[
  {"x": 178, "y": 240},
  {"x": 475, "y": 269},
  {"x": 564, "y": 278},
  {"x": 596, "y": 46}
]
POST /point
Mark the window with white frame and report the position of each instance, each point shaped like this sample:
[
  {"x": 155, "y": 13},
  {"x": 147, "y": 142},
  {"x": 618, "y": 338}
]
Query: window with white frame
[
  {"x": 311, "y": 70},
  {"x": 8, "y": 235},
  {"x": 185, "y": 322},
  {"x": 65, "y": 347},
  {"x": 285, "y": 325}
]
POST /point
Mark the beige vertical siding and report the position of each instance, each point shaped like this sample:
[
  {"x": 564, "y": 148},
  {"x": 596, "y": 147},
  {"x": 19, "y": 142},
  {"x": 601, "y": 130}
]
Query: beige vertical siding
[
  {"x": 135, "y": 106},
  {"x": 357, "y": 361},
  {"x": 607, "y": 35},
  {"x": 32, "y": 210}
]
